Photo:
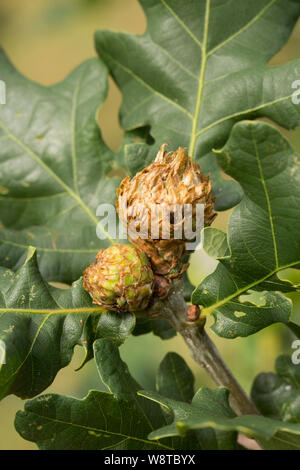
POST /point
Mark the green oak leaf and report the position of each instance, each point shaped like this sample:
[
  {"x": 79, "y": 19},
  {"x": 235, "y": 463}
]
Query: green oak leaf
[
  {"x": 277, "y": 395},
  {"x": 281, "y": 441},
  {"x": 116, "y": 420},
  {"x": 41, "y": 325},
  {"x": 120, "y": 419},
  {"x": 263, "y": 234},
  {"x": 158, "y": 326},
  {"x": 68, "y": 172},
  {"x": 215, "y": 243},
  {"x": 54, "y": 170},
  {"x": 135, "y": 149},
  {"x": 211, "y": 409},
  {"x": 175, "y": 379},
  {"x": 197, "y": 70},
  {"x": 211, "y": 403}
]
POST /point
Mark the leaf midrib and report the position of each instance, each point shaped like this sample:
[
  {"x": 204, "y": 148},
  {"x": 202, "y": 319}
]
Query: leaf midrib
[
  {"x": 205, "y": 55},
  {"x": 50, "y": 250},
  {"x": 37, "y": 334},
  {"x": 104, "y": 431},
  {"x": 201, "y": 81},
  {"x": 53, "y": 311},
  {"x": 193, "y": 138},
  {"x": 263, "y": 182}
]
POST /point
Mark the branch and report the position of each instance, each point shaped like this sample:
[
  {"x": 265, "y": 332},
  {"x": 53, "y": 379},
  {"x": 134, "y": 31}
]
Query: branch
[{"x": 202, "y": 349}]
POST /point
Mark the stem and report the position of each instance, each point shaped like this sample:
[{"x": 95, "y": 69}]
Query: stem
[
  {"x": 204, "y": 352},
  {"x": 202, "y": 349}
]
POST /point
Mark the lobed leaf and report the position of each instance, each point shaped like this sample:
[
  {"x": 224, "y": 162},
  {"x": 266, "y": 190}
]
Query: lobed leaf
[
  {"x": 120, "y": 419},
  {"x": 210, "y": 409},
  {"x": 40, "y": 326},
  {"x": 197, "y": 70},
  {"x": 116, "y": 420},
  {"x": 175, "y": 379},
  {"x": 278, "y": 394},
  {"x": 263, "y": 234},
  {"x": 54, "y": 170}
]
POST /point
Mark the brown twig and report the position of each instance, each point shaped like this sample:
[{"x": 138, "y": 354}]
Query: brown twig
[{"x": 201, "y": 347}]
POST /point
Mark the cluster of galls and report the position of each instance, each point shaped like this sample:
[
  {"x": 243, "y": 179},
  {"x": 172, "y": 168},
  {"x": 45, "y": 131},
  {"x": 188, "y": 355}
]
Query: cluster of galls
[{"x": 126, "y": 277}]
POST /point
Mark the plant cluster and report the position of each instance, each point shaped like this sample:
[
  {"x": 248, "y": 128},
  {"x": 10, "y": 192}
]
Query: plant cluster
[{"x": 197, "y": 79}]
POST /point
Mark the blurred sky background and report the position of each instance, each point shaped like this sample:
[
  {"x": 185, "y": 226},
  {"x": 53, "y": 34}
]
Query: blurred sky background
[{"x": 46, "y": 39}]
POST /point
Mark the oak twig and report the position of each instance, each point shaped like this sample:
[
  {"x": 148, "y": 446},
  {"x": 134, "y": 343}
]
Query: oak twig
[{"x": 202, "y": 349}]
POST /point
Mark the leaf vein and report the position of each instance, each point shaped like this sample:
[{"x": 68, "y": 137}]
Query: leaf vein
[
  {"x": 182, "y": 24},
  {"x": 149, "y": 87},
  {"x": 241, "y": 113},
  {"x": 242, "y": 30},
  {"x": 260, "y": 169},
  {"x": 112, "y": 433}
]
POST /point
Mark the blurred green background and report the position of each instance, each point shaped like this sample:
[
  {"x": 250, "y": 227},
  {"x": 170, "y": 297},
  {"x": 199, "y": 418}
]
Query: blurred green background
[{"x": 46, "y": 39}]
